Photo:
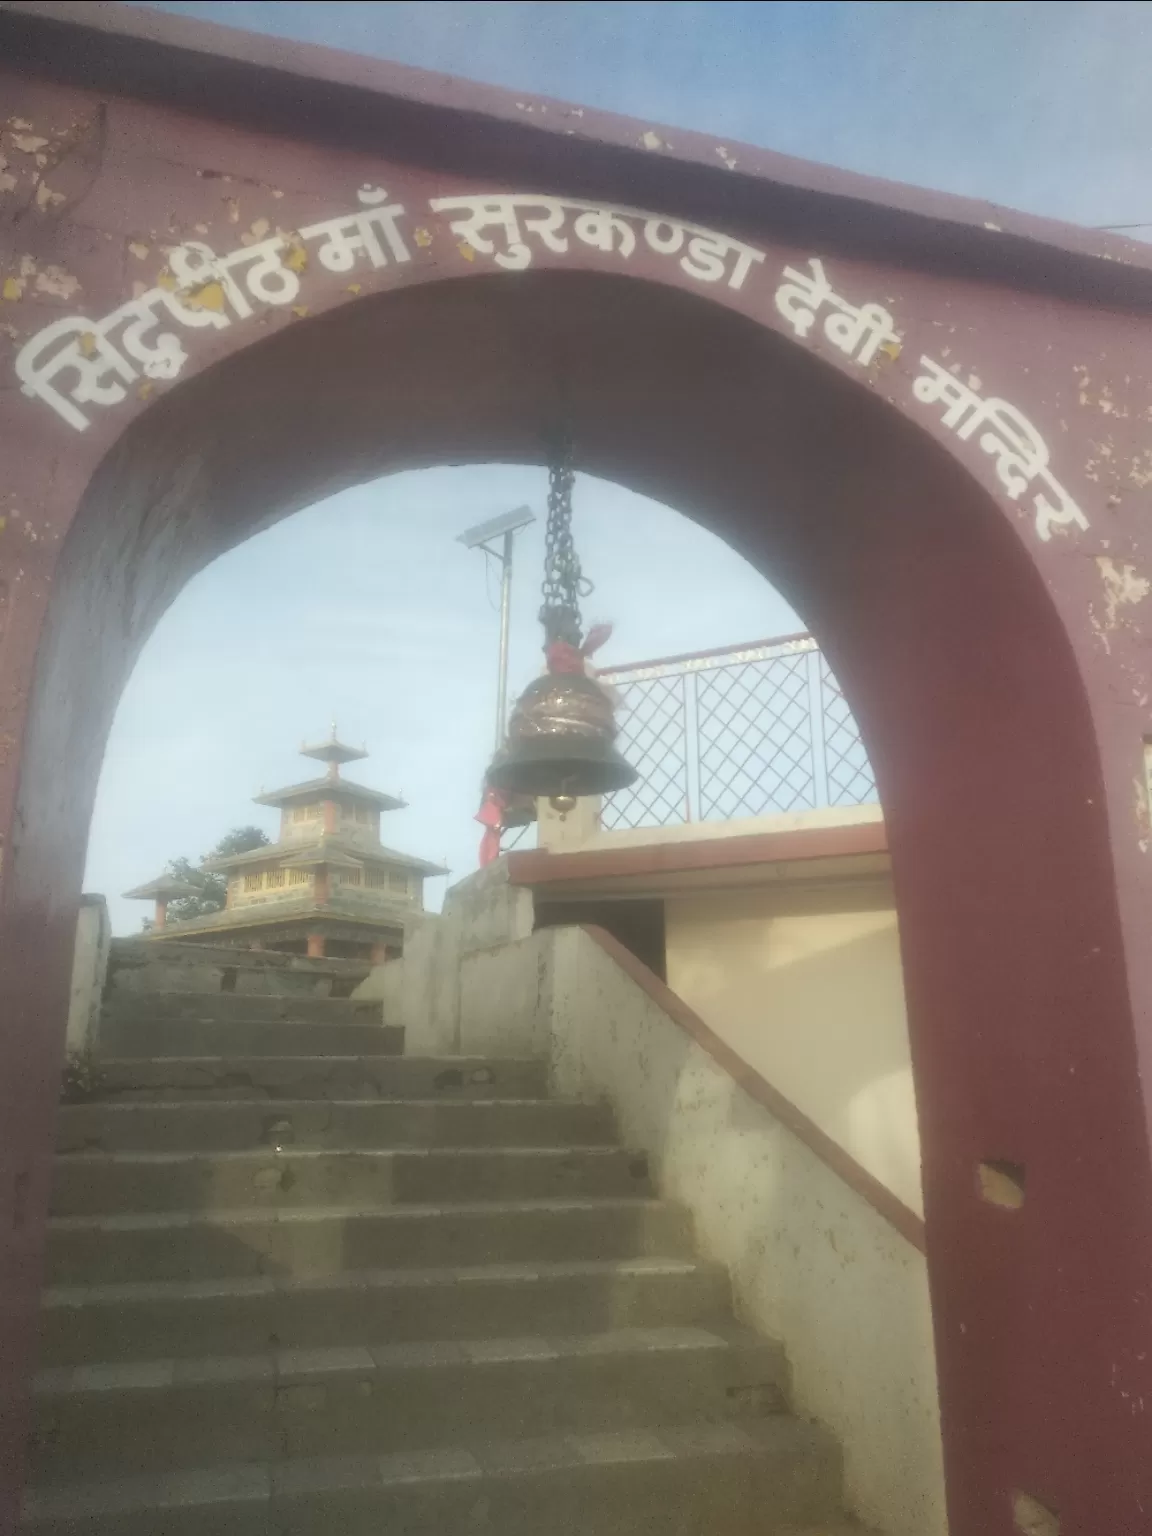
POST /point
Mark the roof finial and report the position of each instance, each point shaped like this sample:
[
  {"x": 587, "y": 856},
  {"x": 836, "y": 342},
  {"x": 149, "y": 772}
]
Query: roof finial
[{"x": 333, "y": 752}]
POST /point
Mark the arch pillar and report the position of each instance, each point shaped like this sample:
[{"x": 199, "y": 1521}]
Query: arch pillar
[{"x": 962, "y": 513}]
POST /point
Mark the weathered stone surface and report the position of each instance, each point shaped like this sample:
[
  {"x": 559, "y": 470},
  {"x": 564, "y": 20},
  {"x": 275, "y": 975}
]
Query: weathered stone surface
[
  {"x": 136, "y": 1033},
  {"x": 95, "y": 1183},
  {"x": 321, "y": 1077},
  {"x": 721, "y": 1480},
  {"x": 134, "y": 1417},
  {"x": 228, "y": 1126},
  {"x": 293, "y": 1292},
  {"x": 182, "y": 1245},
  {"x": 241, "y": 1316},
  {"x": 147, "y": 966}
]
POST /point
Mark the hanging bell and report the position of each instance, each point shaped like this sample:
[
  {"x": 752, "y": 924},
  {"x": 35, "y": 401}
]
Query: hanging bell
[
  {"x": 561, "y": 741},
  {"x": 520, "y": 811},
  {"x": 561, "y": 737}
]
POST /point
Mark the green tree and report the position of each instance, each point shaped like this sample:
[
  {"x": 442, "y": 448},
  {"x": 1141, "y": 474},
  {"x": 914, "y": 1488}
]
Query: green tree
[{"x": 211, "y": 886}]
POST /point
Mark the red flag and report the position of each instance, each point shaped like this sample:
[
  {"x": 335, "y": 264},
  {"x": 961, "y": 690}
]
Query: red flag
[{"x": 491, "y": 818}]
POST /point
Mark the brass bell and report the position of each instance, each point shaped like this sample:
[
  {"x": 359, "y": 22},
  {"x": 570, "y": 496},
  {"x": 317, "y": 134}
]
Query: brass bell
[
  {"x": 561, "y": 741},
  {"x": 519, "y": 812},
  {"x": 561, "y": 737}
]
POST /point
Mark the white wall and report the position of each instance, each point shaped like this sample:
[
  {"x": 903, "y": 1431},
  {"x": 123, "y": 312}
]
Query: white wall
[
  {"x": 454, "y": 971},
  {"x": 89, "y": 970},
  {"x": 812, "y": 1263},
  {"x": 804, "y": 981},
  {"x": 580, "y": 830}
]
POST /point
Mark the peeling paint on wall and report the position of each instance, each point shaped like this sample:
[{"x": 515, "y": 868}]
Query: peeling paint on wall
[
  {"x": 1123, "y": 587},
  {"x": 1032, "y": 1518},
  {"x": 46, "y": 198},
  {"x": 27, "y": 143},
  {"x": 56, "y": 283}
]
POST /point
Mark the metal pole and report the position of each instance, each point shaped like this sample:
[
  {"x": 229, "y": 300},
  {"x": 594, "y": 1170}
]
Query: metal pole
[
  {"x": 505, "y": 615},
  {"x": 500, "y": 532}
]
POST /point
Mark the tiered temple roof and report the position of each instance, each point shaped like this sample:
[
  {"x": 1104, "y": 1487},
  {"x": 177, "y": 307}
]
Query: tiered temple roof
[{"x": 328, "y": 883}]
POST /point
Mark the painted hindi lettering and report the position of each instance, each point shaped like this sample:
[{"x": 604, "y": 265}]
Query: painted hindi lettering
[
  {"x": 78, "y": 361},
  {"x": 512, "y": 227},
  {"x": 1020, "y": 452},
  {"x": 857, "y": 331},
  {"x": 73, "y": 346},
  {"x": 346, "y": 237}
]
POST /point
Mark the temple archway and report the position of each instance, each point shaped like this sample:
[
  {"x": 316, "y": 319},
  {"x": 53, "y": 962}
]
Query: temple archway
[{"x": 960, "y": 615}]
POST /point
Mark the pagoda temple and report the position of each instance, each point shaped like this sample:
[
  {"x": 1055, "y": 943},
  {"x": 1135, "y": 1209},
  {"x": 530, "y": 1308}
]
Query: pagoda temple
[{"x": 327, "y": 887}]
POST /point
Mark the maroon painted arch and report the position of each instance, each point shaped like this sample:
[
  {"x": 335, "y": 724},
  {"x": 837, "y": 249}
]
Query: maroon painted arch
[{"x": 994, "y": 653}]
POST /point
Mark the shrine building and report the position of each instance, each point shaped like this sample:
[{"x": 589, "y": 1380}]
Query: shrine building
[{"x": 327, "y": 887}]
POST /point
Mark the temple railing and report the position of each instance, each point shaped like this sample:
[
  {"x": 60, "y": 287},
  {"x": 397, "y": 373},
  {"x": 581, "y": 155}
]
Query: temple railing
[{"x": 747, "y": 730}]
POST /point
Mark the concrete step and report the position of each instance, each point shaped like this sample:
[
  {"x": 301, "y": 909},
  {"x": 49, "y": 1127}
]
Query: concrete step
[
  {"x": 119, "y": 1419},
  {"x": 149, "y": 966},
  {"x": 238, "y": 1007},
  {"x": 227, "y": 1125},
  {"x": 324, "y": 1241},
  {"x": 732, "y": 1479},
  {"x": 321, "y": 1077},
  {"x": 129, "y": 1034},
  {"x": 248, "y": 1315},
  {"x": 103, "y": 1183}
]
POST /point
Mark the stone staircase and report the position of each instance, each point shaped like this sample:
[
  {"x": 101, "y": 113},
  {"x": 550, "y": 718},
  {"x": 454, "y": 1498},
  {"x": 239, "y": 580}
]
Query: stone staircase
[{"x": 300, "y": 1283}]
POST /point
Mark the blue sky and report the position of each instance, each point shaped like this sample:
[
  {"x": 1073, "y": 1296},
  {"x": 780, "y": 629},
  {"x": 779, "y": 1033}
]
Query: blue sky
[{"x": 1043, "y": 106}]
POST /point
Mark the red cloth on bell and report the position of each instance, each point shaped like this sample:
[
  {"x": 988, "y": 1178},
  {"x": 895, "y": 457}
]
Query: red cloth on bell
[
  {"x": 491, "y": 818},
  {"x": 564, "y": 658}
]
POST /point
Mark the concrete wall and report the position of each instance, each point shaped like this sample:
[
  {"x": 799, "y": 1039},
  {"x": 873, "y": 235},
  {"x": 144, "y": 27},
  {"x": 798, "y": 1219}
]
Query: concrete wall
[
  {"x": 506, "y": 995},
  {"x": 89, "y": 970},
  {"x": 143, "y": 966},
  {"x": 443, "y": 988},
  {"x": 580, "y": 828},
  {"x": 812, "y": 1262},
  {"x": 804, "y": 981}
]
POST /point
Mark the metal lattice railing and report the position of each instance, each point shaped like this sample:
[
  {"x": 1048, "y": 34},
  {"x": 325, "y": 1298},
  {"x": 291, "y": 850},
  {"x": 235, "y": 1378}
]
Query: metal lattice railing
[
  {"x": 515, "y": 838},
  {"x": 745, "y": 731}
]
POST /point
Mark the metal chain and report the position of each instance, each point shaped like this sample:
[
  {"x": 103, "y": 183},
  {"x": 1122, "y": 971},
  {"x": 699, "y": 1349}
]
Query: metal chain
[{"x": 564, "y": 581}]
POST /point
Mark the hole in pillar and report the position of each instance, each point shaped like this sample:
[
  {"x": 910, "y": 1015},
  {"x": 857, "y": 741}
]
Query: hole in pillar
[
  {"x": 1033, "y": 1518},
  {"x": 228, "y": 979},
  {"x": 1002, "y": 1184}
]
